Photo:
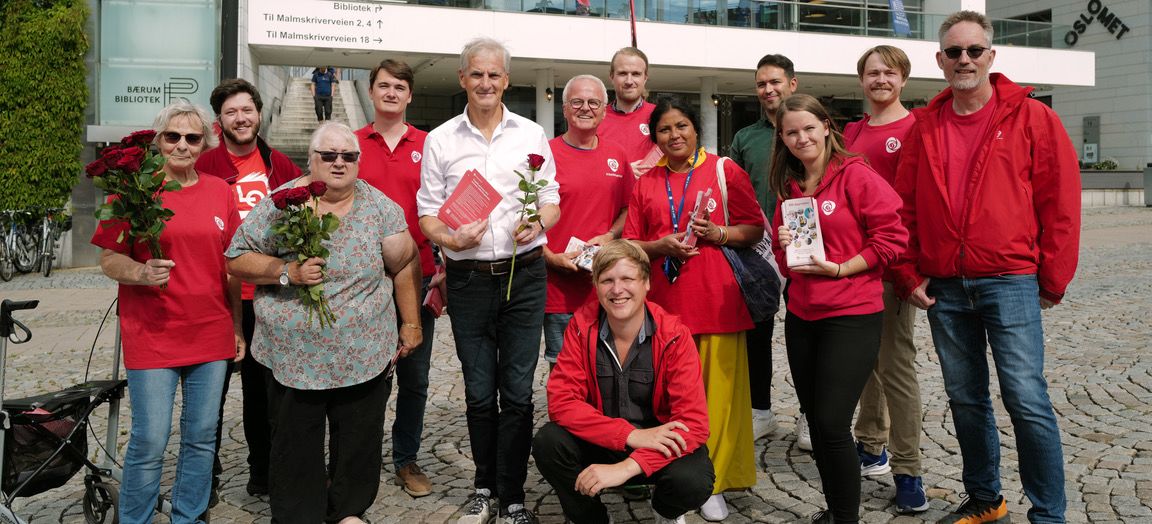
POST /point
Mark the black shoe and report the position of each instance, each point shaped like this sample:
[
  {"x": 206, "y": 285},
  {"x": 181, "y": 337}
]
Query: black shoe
[
  {"x": 823, "y": 517},
  {"x": 256, "y": 487},
  {"x": 214, "y": 497},
  {"x": 974, "y": 511}
]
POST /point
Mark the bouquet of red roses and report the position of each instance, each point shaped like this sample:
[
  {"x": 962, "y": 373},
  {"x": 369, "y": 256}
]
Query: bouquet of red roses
[
  {"x": 131, "y": 172},
  {"x": 302, "y": 232}
]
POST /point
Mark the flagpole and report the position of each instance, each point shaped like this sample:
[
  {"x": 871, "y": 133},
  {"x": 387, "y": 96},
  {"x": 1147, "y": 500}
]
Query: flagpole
[{"x": 632, "y": 13}]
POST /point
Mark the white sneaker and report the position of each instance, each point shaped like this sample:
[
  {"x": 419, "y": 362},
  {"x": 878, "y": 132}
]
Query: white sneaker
[
  {"x": 763, "y": 423},
  {"x": 477, "y": 509},
  {"x": 715, "y": 509},
  {"x": 659, "y": 518},
  {"x": 803, "y": 435}
]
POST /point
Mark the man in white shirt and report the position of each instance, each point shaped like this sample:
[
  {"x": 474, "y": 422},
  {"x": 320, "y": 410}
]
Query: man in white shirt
[{"x": 497, "y": 332}]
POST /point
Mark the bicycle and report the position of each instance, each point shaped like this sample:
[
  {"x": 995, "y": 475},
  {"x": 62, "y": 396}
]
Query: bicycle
[
  {"x": 19, "y": 245},
  {"x": 53, "y": 224}
]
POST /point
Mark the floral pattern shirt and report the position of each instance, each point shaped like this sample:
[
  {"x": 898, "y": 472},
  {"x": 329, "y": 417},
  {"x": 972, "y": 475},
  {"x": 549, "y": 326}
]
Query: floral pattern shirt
[{"x": 359, "y": 345}]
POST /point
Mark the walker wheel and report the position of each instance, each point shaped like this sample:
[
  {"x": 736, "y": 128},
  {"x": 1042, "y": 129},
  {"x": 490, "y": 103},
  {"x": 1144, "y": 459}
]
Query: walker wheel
[{"x": 101, "y": 500}]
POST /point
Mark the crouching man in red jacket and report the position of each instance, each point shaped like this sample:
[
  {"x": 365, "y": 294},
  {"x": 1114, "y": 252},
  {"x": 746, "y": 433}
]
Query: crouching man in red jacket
[{"x": 625, "y": 400}]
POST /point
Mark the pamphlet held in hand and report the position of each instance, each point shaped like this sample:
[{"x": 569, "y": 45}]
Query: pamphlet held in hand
[
  {"x": 800, "y": 215},
  {"x": 587, "y": 251}
]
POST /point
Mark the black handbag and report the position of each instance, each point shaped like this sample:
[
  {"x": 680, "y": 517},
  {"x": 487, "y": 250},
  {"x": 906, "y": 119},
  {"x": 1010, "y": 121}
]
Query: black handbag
[{"x": 754, "y": 266}]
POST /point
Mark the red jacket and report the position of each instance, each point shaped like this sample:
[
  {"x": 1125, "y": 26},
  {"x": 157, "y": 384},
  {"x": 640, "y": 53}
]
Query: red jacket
[
  {"x": 1023, "y": 213},
  {"x": 678, "y": 389},
  {"x": 215, "y": 162},
  {"x": 859, "y": 215}
]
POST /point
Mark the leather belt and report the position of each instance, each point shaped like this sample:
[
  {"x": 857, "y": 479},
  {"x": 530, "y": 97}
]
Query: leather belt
[{"x": 495, "y": 267}]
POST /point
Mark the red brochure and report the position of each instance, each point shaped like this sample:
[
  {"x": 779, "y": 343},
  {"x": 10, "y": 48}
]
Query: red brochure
[{"x": 474, "y": 199}]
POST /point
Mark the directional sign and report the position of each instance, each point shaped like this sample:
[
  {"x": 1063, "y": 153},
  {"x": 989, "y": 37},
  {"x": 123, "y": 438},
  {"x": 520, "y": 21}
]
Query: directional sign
[{"x": 308, "y": 23}]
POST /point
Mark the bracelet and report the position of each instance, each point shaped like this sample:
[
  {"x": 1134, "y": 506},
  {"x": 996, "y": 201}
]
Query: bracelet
[
  {"x": 413, "y": 326},
  {"x": 723, "y": 235},
  {"x": 838, "y": 270}
]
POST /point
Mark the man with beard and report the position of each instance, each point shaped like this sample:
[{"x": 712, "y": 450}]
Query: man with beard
[
  {"x": 751, "y": 149},
  {"x": 252, "y": 168},
  {"x": 991, "y": 190},
  {"x": 626, "y": 119}
]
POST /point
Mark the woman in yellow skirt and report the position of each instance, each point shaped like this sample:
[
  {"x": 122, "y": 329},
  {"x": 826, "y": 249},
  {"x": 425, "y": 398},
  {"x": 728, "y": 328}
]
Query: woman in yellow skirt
[{"x": 693, "y": 280}]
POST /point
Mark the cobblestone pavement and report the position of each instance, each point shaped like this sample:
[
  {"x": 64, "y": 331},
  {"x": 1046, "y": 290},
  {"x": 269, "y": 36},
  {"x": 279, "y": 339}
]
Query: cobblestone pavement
[{"x": 1098, "y": 367}]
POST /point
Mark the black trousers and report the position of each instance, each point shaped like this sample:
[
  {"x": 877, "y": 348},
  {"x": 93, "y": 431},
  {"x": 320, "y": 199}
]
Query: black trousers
[
  {"x": 254, "y": 379},
  {"x": 760, "y": 363},
  {"x": 681, "y": 486},
  {"x": 304, "y": 489},
  {"x": 831, "y": 360}
]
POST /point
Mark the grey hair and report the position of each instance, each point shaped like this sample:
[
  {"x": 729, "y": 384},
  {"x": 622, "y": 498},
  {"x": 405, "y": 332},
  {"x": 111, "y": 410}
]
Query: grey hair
[
  {"x": 593, "y": 78},
  {"x": 184, "y": 108},
  {"x": 481, "y": 44},
  {"x": 331, "y": 127},
  {"x": 967, "y": 16}
]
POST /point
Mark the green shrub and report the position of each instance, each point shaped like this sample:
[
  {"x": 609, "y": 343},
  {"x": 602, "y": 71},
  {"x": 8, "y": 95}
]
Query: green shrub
[
  {"x": 43, "y": 93},
  {"x": 1108, "y": 164}
]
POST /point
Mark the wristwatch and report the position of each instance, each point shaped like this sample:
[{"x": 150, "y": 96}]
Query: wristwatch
[{"x": 284, "y": 282}]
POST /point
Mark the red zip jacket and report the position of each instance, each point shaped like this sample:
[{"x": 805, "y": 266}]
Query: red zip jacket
[
  {"x": 678, "y": 389},
  {"x": 1023, "y": 213},
  {"x": 859, "y": 215},
  {"x": 215, "y": 162}
]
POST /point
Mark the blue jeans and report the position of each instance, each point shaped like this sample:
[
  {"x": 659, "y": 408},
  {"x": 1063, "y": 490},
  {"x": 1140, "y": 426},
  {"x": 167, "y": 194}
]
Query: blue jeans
[
  {"x": 412, "y": 393},
  {"x": 555, "y": 324},
  {"x": 498, "y": 344},
  {"x": 1003, "y": 313},
  {"x": 153, "y": 392}
]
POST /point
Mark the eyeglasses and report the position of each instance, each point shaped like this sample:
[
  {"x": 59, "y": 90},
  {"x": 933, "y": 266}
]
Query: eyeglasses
[
  {"x": 593, "y": 104},
  {"x": 330, "y": 156},
  {"x": 974, "y": 52},
  {"x": 173, "y": 138}
]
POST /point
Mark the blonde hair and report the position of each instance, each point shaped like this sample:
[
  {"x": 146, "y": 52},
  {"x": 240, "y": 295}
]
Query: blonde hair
[{"x": 617, "y": 250}]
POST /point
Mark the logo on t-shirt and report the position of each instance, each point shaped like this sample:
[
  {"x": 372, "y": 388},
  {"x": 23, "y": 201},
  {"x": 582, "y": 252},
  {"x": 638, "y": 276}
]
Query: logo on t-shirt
[
  {"x": 613, "y": 165},
  {"x": 644, "y": 129},
  {"x": 250, "y": 189},
  {"x": 415, "y": 157},
  {"x": 828, "y": 207},
  {"x": 711, "y": 205},
  {"x": 219, "y": 223},
  {"x": 892, "y": 145}
]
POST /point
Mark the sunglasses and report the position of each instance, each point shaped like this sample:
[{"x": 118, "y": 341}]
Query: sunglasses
[
  {"x": 173, "y": 138},
  {"x": 330, "y": 156},
  {"x": 974, "y": 52}
]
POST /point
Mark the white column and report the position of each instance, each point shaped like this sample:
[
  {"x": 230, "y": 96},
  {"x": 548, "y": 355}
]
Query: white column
[
  {"x": 545, "y": 109},
  {"x": 708, "y": 121}
]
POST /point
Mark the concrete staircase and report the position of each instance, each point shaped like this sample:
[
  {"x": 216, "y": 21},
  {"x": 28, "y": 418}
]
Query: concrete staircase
[{"x": 292, "y": 128}]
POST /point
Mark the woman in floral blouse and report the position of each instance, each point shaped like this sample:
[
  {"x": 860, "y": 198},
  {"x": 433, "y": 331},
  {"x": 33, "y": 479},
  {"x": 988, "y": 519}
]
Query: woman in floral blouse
[{"x": 338, "y": 374}]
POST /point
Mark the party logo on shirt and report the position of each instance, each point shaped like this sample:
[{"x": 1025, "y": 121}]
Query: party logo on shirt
[
  {"x": 415, "y": 157},
  {"x": 614, "y": 165},
  {"x": 892, "y": 145},
  {"x": 828, "y": 207},
  {"x": 219, "y": 223},
  {"x": 711, "y": 205},
  {"x": 644, "y": 129}
]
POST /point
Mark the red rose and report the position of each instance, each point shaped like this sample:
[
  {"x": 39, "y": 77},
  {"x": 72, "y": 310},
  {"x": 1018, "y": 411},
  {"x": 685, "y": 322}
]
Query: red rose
[
  {"x": 96, "y": 168},
  {"x": 317, "y": 188},
  {"x": 298, "y": 195},
  {"x": 535, "y": 161},
  {"x": 130, "y": 160},
  {"x": 280, "y": 199},
  {"x": 142, "y": 138},
  {"x": 112, "y": 155}
]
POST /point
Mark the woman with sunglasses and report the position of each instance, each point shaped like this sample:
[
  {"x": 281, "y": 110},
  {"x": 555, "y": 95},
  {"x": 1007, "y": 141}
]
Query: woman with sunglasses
[
  {"x": 693, "y": 279},
  {"x": 179, "y": 323},
  {"x": 835, "y": 304},
  {"x": 336, "y": 377}
]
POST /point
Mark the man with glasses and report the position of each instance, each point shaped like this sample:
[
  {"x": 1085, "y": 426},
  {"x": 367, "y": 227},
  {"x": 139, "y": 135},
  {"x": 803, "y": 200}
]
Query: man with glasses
[
  {"x": 595, "y": 183},
  {"x": 497, "y": 329},
  {"x": 751, "y": 149},
  {"x": 991, "y": 189},
  {"x": 253, "y": 169}
]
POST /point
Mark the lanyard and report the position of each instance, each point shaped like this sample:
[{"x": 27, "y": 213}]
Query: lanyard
[{"x": 676, "y": 213}]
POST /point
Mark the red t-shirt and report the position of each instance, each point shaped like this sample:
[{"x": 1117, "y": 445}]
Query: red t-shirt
[
  {"x": 250, "y": 187},
  {"x": 960, "y": 138},
  {"x": 397, "y": 175},
  {"x": 706, "y": 296},
  {"x": 880, "y": 144},
  {"x": 628, "y": 130},
  {"x": 190, "y": 321},
  {"x": 594, "y": 186}
]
